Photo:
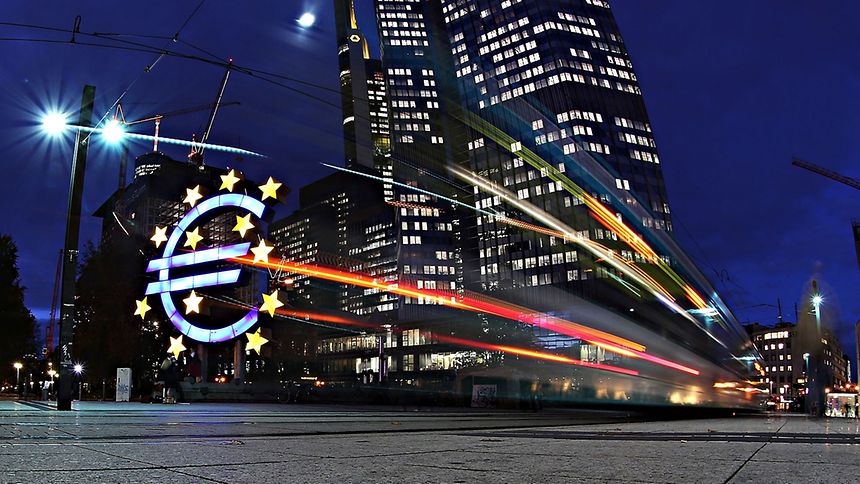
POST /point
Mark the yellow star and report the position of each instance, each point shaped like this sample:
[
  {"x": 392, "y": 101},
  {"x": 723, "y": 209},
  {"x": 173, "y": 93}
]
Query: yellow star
[
  {"x": 243, "y": 224},
  {"x": 160, "y": 236},
  {"x": 142, "y": 308},
  {"x": 176, "y": 346},
  {"x": 261, "y": 252},
  {"x": 192, "y": 303},
  {"x": 228, "y": 180},
  {"x": 193, "y": 238},
  {"x": 255, "y": 341},
  {"x": 192, "y": 195},
  {"x": 270, "y": 189},
  {"x": 271, "y": 303}
]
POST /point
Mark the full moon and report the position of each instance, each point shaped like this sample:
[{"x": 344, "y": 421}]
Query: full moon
[{"x": 307, "y": 20}]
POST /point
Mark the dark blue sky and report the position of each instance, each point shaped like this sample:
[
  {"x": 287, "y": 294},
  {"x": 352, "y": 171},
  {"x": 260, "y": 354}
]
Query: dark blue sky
[{"x": 734, "y": 90}]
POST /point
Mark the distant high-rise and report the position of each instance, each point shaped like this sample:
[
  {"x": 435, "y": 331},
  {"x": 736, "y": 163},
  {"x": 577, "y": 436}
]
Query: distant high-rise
[
  {"x": 364, "y": 101},
  {"x": 345, "y": 224}
]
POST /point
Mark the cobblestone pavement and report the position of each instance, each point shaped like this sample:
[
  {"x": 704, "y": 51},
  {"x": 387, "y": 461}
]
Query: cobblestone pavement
[{"x": 105, "y": 442}]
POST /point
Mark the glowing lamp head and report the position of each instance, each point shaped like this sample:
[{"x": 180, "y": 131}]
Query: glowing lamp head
[
  {"x": 54, "y": 123},
  {"x": 816, "y": 300},
  {"x": 17, "y": 365},
  {"x": 51, "y": 373},
  {"x": 113, "y": 132},
  {"x": 307, "y": 20},
  {"x": 79, "y": 368}
]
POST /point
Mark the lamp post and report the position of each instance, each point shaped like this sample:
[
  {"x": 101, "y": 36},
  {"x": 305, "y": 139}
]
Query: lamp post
[
  {"x": 17, "y": 367},
  {"x": 817, "y": 299},
  {"x": 79, "y": 368},
  {"x": 52, "y": 374},
  {"x": 70, "y": 248}
]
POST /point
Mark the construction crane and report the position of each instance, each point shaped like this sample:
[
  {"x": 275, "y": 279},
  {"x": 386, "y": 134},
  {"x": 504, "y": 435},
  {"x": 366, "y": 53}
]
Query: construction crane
[
  {"x": 847, "y": 180},
  {"x": 851, "y": 182},
  {"x": 196, "y": 154},
  {"x": 55, "y": 299},
  {"x": 120, "y": 117},
  {"x": 158, "y": 117}
]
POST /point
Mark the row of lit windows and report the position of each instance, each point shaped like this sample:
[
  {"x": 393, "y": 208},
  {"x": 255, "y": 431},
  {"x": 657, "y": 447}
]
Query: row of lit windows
[
  {"x": 404, "y": 33},
  {"x": 422, "y": 212},
  {"x": 543, "y": 260},
  {"x": 424, "y": 226},
  {"x": 617, "y": 73},
  {"x": 644, "y": 156},
  {"x": 577, "y": 18},
  {"x": 576, "y": 29},
  {"x": 518, "y": 50},
  {"x": 491, "y": 34},
  {"x": 636, "y": 139}
]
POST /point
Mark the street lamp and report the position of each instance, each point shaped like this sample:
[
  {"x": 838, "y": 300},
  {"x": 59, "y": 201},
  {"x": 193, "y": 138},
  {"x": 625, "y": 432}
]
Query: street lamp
[
  {"x": 113, "y": 132},
  {"x": 54, "y": 123},
  {"x": 307, "y": 20},
  {"x": 816, "y": 300},
  {"x": 17, "y": 366},
  {"x": 79, "y": 368}
]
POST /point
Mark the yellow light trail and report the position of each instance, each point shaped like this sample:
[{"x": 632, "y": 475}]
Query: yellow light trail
[{"x": 482, "y": 304}]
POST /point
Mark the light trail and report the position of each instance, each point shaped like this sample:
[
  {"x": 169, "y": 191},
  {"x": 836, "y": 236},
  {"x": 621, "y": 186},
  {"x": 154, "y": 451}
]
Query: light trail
[
  {"x": 174, "y": 141},
  {"x": 326, "y": 318},
  {"x": 567, "y": 234},
  {"x": 413, "y": 188},
  {"x": 305, "y": 316},
  {"x": 534, "y": 354},
  {"x": 629, "y": 269},
  {"x": 299, "y": 315},
  {"x": 487, "y": 305},
  {"x": 600, "y": 211}
]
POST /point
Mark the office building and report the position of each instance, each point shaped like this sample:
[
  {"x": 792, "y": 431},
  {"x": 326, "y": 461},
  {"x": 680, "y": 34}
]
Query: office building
[
  {"x": 788, "y": 362},
  {"x": 154, "y": 198},
  {"x": 527, "y": 111}
]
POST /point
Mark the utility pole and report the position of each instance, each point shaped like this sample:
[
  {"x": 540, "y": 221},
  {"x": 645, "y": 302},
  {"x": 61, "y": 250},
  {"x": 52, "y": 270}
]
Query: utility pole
[{"x": 70, "y": 249}]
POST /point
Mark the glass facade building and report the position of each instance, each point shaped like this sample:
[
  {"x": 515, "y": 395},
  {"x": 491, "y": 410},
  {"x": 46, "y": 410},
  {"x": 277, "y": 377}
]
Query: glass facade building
[{"x": 520, "y": 216}]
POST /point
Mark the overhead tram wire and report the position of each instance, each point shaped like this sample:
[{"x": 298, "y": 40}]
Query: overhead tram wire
[
  {"x": 149, "y": 66},
  {"x": 73, "y": 40},
  {"x": 161, "y": 52},
  {"x": 212, "y": 60}
]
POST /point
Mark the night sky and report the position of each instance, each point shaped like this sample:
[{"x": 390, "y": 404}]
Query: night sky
[{"x": 734, "y": 90}]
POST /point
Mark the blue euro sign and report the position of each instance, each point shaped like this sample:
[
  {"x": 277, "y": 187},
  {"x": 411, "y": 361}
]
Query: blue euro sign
[{"x": 165, "y": 285}]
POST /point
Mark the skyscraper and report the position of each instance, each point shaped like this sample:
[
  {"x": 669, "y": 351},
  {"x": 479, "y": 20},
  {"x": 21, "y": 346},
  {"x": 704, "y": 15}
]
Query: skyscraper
[
  {"x": 512, "y": 96},
  {"x": 521, "y": 165},
  {"x": 364, "y": 99},
  {"x": 554, "y": 78}
]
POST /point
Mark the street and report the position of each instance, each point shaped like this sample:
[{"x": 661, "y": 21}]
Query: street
[{"x": 106, "y": 442}]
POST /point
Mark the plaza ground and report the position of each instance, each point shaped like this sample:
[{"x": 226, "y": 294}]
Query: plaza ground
[{"x": 106, "y": 442}]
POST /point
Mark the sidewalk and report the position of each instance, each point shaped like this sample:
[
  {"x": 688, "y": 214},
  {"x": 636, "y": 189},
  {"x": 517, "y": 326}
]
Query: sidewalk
[{"x": 293, "y": 443}]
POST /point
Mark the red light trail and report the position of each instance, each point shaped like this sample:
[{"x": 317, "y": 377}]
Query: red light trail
[{"x": 485, "y": 304}]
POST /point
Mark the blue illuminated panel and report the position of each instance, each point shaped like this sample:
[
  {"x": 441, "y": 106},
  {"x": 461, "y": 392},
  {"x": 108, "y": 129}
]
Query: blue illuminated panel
[{"x": 199, "y": 257}]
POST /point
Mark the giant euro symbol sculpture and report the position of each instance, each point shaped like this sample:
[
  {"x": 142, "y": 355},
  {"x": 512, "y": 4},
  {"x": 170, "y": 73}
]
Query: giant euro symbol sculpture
[{"x": 165, "y": 285}]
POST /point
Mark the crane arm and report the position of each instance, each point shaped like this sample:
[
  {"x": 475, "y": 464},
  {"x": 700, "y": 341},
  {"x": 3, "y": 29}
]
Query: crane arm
[
  {"x": 180, "y": 112},
  {"x": 215, "y": 106},
  {"x": 851, "y": 182}
]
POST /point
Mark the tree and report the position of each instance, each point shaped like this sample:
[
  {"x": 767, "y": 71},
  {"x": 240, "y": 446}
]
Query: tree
[
  {"x": 107, "y": 334},
  {"x": 16, "y": 321}
]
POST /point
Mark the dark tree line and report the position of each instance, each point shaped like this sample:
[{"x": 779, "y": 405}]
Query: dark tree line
[
  {"x": 107, "y": 333},
  {"x": 18, "y": 339}
]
